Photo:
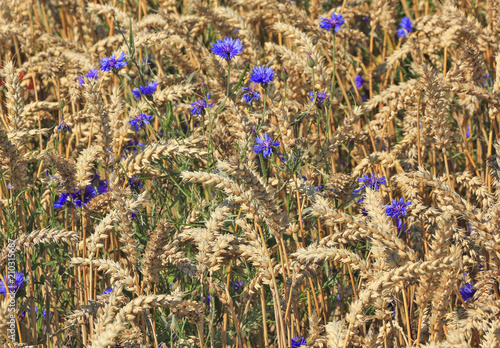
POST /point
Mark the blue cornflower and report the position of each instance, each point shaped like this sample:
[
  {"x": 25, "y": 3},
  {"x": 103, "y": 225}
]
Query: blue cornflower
[
  {"x": 134, "y": 184},
  {"x": 107, "y": 64},
  {"x": 406, "y": 27},
  {"x": 467, "y": 133},
  {"x": 206, "y": 301},
  {"x": 335, "y": 22},
  {"x": 149, "y": 89},
  {"x": 467, "y": 291},
  {"x": 298, "y": 341},
  {"x": 227, "y": 48},
  {"x": 102, "y": 187},
  {"x": 358, "y": 81},
  {"x": 61, "y": 201},
  {"x": 371, "y": 182},
  {"x": 63, "y": 126},
  {"x": 250, "y": 93},
  {"x": 133, "y": 144},
  {"x": 15, "y": 284},
  {"x": 237, "y": 286},
  {"x": 140, "y": 120},
  {"x": 320, "y": 98},
  {"x": 200, "y": 105},
  {"x": 92, "y": 74},
  {"x": 262, "y": 75},
  {"x": 397, "y": 209},
  {"x": 265, "y": 145},
  {"x": 108, "y": 291},
  {"x": 88, "y": 194},
  {"x": 44, "y": 313}
]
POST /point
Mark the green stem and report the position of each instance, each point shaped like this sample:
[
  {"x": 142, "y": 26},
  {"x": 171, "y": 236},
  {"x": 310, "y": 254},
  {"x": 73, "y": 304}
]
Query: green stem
[
  {"x": 333, "y": 62},
  {"x": 314, "y": 85},
  {"x": 265, "y": 99},
  {"x": 329, "y": 119},
  {"x": 228, "y": 77},
  {"x": 284, "y": 96},
  {"x": 219, "y": 109}
]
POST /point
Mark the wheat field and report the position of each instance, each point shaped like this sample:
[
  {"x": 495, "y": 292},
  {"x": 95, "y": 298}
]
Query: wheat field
[{"x": 268, "y": 173}]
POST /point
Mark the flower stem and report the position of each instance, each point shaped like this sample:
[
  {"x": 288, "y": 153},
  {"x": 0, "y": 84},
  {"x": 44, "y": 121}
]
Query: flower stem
[
  {"x": 333, "y": 62},
  {"x": 284, "y": 95},
  {"x": 228, "y": 77}
]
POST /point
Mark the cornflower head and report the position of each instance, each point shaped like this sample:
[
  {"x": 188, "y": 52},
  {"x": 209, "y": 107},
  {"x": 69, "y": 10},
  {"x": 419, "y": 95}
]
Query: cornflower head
[
  {"x": 15, "y": 284},
  {"x": 61, "y": 201},
  {"x": 406, "y": 27},
  {"x": 140, "y": 120},
  {"x": 149, "y": 89},
  {"x": 133, "y": 144},
  {"x": 200, "y": 105},
  {"x": 227, "y": 48},
  {"x": 467, "y": 291},
  {"x": 265, "y": 145},
  {"x": 44, "y": 312},
  {"x": 206, "y": 301},
  {"x": 108, "y": 291},
  {"x": 335, "y": 22},
  {"x": 102, "y": 187},
  {"x": 112, "y": 63},
  {"x": 358, "y": 81},
  {"x": 262, "y": 75},
  {"x": 91, "y": 75},
  {"x": 250, "y": 93},
  {"x": 80, "y": 199},
  {"x": 371, "y": 182},
  {"x": 237, "y": 286},
  {"x": 320, "y": 98},
  {"x": 397, "y": 209},
  {"x": 63, "y": 125},
  {"x": 134, "y": 184},
  {"x": 298, "y": 341},
  {"x": 467, "y": 133}
]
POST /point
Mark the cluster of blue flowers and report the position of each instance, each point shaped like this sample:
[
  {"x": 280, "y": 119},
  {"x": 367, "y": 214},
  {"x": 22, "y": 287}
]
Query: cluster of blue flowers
[
  {"x": 149, "y": 89},
  {"x": 371, "y": 182},
  {"x": 467, "y": 291},
  {"x": 397, "y": 210},
  {"x": 134, "y": 183},
  {"x": 237, "y": 286},
  {"x": 200, "y": 105},
  {"x": 139, "y": 121},
  {"x": 91, "y": 75},
  {"x": 320, "y": 98},
  {"x": 250, "y": 94},
  {"x": 358, "y": 81},
  {"x": 44, "y": 312},
  {"x": 112, "y": 63},
  {"x": 107, "y": 64},
  {"x": 80, "y": 198},
  {"x": 19, "y": 283},
  {"x": 298, "y": 341},
  {"x": 406, "y": 27}
]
